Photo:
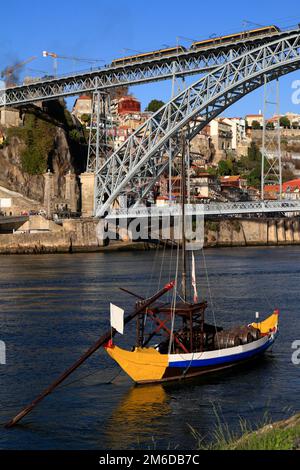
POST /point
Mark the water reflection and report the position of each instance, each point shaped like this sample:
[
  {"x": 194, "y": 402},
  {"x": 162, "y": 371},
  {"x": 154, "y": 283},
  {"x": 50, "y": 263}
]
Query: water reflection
[
  {"x": 46, "y": 327},
  {"x": 137, "y": 417}
]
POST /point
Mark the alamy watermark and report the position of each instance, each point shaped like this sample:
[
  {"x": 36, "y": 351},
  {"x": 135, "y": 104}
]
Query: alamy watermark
[
  {"x": 296, "y": 93},
  {"x": 296, "y": 353},
  {"x": 2, "y": 353},
  {"x": 154, "y": 224}
]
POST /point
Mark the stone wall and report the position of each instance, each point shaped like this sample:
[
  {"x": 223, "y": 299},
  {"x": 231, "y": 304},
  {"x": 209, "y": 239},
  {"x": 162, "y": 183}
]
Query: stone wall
[
  {"x": 80, "y": 235},
  {"x": 73, "y": 235},
  {"x": 253, "y": 232}
]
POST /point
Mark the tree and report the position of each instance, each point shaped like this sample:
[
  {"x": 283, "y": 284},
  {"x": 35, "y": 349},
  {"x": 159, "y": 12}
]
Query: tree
[
  {"x": 86, "y": 118},
  {"x": 154, "y": 106},
  {"x": 250, "y": 165},
  {"x": 270, "y": 125},
  {"x": 254, "y": 153},
  {"x": 75, "y": 135},
  {"x": 256, "y": 125},
  {"x": 225, "y": 167},
  {"x": 285, "y": 122}
]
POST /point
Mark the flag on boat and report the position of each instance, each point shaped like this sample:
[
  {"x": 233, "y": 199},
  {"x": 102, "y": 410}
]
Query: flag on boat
[
  {"x": 117, "y": 318},
  {"x": 194, "y": 282}
]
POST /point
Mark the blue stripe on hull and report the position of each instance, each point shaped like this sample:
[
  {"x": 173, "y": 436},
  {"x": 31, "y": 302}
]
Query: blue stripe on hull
[{"x": 221, "y": 359}]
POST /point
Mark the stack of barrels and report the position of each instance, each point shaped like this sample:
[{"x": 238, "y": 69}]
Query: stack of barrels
[{"x": 236, "y": 336}]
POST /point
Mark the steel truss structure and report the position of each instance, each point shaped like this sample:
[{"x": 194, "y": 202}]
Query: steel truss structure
[
  {"x": 99, "y": 147},
  {"x": 271, "y": 168},
  {"x": 137, "y": 165},
  {"x": 185, "y": 63},
  {"x": 212, "y": 209}
]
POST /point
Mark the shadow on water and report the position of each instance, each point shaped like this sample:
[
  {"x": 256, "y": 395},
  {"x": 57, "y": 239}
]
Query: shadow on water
[{"x": 140, "y": 418}]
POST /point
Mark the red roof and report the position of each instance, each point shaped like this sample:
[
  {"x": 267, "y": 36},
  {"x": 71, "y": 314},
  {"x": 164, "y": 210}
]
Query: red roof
[
  {"x": 84, "y": 97},
  {"x": 291, "y": 185},
  {"x": 224, "y": 179}
]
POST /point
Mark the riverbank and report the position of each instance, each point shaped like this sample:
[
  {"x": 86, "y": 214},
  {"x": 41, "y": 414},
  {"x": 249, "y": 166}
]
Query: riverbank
[
  {"x": 39, "y": 236},
  {"x": 282, "y": 435}
]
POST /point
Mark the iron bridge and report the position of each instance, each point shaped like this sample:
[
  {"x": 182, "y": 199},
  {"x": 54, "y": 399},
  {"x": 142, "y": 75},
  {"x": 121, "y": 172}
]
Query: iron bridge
[
  {"x": 211, "y": 209},
  {"x": 143, "y": 71},
  {"x": 135, "y": 167}
]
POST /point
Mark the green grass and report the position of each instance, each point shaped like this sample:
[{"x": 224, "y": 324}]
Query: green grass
[
  {"x": 282, "y": 435},
  {"x": 269, "y": 439}
]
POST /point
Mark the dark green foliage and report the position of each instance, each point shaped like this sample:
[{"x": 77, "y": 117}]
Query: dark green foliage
[
  {"x": 86, "y": 118},
  {"x": 75, "y": 135},
  {"x": 39, "y": 137},
  {"x": 154, "y": 106},
  {"x": 39, "y": 140},
  {"x": 256, "y": 125},
  {"x": 225, "y": 167},
  {"x": 285, "y": 122}
]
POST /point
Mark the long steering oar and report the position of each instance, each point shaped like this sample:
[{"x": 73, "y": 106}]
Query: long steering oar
[{"x": 101, "y": 341}]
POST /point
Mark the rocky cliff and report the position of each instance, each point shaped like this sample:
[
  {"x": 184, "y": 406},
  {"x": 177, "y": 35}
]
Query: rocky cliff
[{"x": 55, "y": 145}]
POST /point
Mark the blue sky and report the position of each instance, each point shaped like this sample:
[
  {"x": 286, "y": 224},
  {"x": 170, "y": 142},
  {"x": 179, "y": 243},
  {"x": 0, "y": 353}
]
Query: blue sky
[{"x": 102, "y": 30}]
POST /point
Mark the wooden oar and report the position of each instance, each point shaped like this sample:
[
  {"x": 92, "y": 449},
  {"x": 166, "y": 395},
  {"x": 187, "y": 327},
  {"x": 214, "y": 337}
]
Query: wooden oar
[{"x": 101, "y": 341}]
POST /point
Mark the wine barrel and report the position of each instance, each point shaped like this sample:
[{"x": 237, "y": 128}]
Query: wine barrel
[{"x": 226, "y": 339}]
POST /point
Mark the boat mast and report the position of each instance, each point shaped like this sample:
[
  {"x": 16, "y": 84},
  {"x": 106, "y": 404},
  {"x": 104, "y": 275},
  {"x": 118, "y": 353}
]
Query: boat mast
[{"x": 183, "y": 196}]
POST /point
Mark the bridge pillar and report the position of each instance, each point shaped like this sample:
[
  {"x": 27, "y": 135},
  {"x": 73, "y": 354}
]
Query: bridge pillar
[
  {"x": 272, "y": 232},
  {"x": 281, "y": 232},
  {"x": 297, "y": 230},
  {"x": 87, "y": 194},
  {"x": 70, "y": 195},
  {"x": 49, "y": 193}
]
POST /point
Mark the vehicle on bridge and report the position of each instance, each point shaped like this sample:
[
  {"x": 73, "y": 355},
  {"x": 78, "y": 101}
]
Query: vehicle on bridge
[
  {"x": 236, "y": 37},
  {"x": 149, "y": 55},
  {"x": 216, "y": 41}
]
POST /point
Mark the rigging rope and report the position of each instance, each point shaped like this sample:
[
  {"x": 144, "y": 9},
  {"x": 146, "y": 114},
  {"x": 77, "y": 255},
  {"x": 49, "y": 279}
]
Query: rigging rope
[
  {"x": 161, "y": 266},
  {"x": 174, "y": 302},
  {"x": 152, "y": 271},
  {"x": 209, "y": 291}
]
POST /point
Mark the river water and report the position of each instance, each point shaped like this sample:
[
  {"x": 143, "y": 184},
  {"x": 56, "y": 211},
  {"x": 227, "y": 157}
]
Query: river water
[{"x": 52, "y": 307}]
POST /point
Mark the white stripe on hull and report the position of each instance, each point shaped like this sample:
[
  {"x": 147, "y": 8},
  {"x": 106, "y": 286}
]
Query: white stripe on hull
[{"x": 218, "y": 353}]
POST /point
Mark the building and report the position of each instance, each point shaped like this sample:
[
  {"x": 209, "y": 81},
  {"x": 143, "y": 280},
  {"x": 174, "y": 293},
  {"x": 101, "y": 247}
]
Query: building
[
  {"x": 233, "y": 182},
  {"x": 128, "y": 105},
  {"x": 253, "y": 193},
  {"x": 10, "y": 117},
  {"x": 250, "y": 118},
  {"x": 115, "y": 95},
  {"x": 220, "y": 133},
  {"x": 82, "y": 106},
  {"x": 13, "y": 203},
  {"x": 119, "y": 135},
  {"x": 238, "y": 129},
  {"x": 294, "y": 119},
  {"x": 290, "y": 190},
  {"x": 204, "y": 185}
]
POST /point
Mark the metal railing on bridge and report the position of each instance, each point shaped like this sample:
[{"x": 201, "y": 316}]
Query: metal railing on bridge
[{"x": 211, "y": 209}]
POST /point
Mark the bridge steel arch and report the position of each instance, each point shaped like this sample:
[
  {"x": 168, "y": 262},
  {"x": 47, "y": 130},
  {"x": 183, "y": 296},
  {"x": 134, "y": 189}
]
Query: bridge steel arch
[{"x": 137, "y": 165}]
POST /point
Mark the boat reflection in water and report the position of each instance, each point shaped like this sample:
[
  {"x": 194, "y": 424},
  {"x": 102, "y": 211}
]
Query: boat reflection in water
[{"x": 139, "y": 415}]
